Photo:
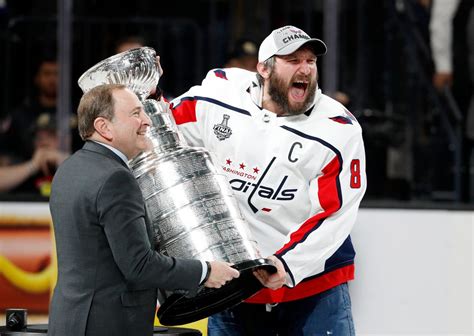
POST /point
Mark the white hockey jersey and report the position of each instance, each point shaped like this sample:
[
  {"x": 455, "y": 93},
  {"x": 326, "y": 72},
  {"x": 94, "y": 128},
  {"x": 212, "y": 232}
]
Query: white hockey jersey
[{"x": 298, "y": 179}]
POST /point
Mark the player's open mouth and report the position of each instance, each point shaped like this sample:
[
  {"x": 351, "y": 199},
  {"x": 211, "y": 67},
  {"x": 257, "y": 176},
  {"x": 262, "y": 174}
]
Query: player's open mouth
[{"x": 298, "y": 89}]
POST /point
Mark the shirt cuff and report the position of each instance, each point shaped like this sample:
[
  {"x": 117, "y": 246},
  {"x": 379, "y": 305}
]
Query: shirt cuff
[{"x": 204, "y": 270}]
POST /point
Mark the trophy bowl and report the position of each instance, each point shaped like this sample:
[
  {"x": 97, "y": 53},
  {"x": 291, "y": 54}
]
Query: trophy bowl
[{"x": 135, "y": 68}]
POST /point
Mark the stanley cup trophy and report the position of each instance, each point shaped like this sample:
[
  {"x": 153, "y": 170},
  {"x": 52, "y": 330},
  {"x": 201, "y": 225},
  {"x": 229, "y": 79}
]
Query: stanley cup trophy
[{"x": 191, "y": 207}]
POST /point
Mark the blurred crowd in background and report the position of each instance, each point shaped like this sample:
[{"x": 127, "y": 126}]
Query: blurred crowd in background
[{"x": 404, "y": 68}]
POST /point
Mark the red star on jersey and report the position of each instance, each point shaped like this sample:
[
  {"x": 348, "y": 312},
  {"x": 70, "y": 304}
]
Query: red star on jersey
[
  {"x": 228, "y": 162},
  {"x": 256, "y": 170},
  {"x": 242, "y": 166}
]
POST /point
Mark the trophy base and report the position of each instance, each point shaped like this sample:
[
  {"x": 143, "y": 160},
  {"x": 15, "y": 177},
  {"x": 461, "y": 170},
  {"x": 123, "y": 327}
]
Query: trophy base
[{"x": 177, "y": 309}]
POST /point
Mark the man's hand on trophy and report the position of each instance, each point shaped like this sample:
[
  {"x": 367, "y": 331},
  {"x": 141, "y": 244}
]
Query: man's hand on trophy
[
  {"x": 220, "y": 273},
  {"x": 160, "y": 69},
  {"x": 275, "y": 280},
  {"x": 165, "y": 107},
  {"x": 156, "y": 92}
]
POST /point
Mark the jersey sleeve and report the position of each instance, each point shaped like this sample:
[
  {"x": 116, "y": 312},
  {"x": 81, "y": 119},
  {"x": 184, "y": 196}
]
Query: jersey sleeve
[
  {"x": 184, "y": 110},
  {"x": 189, "y": 109},
  {"x": 189, "y": 105},
  {"x": 336, "y": 193}
]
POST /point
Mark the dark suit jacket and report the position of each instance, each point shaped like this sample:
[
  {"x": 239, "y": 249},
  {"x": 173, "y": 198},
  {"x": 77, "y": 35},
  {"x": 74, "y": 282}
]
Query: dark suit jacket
[{"x": 108, "y": 271}]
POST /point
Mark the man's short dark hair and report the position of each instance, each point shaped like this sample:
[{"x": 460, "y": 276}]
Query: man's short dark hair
[{"x": 98, "y": 102}]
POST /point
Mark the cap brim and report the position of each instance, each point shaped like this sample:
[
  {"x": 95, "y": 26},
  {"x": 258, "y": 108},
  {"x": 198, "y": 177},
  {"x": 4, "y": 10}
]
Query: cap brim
[{"x": 318, "y": 46}]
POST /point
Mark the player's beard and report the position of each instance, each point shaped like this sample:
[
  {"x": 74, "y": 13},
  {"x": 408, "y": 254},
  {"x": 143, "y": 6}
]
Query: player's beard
[{"x": 278, "y": 91}]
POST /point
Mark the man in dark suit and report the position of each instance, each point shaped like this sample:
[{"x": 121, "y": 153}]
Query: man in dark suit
[{"x": 108, "y": 271}]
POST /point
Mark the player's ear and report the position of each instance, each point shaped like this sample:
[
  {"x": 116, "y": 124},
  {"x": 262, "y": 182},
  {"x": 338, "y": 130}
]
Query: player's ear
[{"x": 263, "y": 70}]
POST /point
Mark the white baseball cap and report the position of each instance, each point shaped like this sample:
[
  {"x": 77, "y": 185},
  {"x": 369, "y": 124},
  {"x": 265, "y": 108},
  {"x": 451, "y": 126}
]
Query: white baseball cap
[{"x": 286, "y": 40}]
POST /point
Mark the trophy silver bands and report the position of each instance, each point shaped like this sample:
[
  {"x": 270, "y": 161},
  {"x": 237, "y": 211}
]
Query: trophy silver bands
[{"x": 191, "y": 206}]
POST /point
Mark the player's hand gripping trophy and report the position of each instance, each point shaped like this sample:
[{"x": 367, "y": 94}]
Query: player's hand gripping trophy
[{"x": 190, "y": 205}]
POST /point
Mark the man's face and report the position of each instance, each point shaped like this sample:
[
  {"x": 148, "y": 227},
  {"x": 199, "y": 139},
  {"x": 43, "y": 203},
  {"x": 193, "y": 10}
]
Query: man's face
[
  {"x": 292, "y": 83},
  {"x": 129, "y": 124},
  {"x": 47, "y": 79}
]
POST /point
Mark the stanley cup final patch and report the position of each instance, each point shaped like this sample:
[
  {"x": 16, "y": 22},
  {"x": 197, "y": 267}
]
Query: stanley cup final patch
[{"x": 222, "y": 130}]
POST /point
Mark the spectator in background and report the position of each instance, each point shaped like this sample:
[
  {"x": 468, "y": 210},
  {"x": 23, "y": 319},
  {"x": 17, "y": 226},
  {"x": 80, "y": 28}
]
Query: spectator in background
[
  {"x": 470, "y": 111},
  {"x": 441, "y": 28},
  {"x": 470, "y": 41},
  {"x": 34, "y": 176},
  {"x": 452, "y": 39},
  {"x": 40, "y": 164},
  {"x": 129, "y": 42},
  {"x": 22, "y": 120},
  {"x": 243, "y": 55},
  {"x": 450, "y": 48},
  {"x": 462, "y": 84}
]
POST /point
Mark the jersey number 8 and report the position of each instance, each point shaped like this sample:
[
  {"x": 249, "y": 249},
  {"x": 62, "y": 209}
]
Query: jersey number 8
[{"x": 355, "y": 174}]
